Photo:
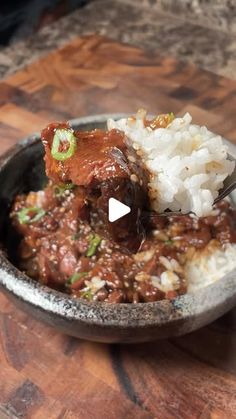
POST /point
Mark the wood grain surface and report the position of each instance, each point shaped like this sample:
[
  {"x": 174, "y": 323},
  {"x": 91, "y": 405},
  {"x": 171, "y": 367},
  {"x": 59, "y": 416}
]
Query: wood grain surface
[{"x": 44, "y": 374}]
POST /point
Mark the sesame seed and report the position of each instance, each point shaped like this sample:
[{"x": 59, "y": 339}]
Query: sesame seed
[
  {"x": 134, "y": 178},
  {"x": 132, "y": 159}
]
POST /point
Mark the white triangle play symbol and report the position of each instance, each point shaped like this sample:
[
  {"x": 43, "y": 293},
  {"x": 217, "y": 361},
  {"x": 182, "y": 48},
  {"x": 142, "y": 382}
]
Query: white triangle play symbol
[{"x": 116, "y": 210}]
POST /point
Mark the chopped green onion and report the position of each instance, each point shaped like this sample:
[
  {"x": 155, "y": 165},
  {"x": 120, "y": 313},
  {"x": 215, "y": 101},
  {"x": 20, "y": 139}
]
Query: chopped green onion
[
  {"x": 86, "y": 294},
  {"x": 59, "y": 190},
  {"x": 63, "y": 136},
  {"x": 171, "y": 116},
  {"x": 76, "y": 277},
  {"x": 95, "y": 240},
  {"x": 75, "y": 236},
  {"x": 169, "y": 242},
  {"x": 24, "y": 215}
]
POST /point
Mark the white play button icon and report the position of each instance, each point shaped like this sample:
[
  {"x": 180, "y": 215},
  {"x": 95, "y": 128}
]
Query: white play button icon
[{"x": 116, "y": 210}]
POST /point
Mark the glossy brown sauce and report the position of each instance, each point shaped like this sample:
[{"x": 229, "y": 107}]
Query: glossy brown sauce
[{"x": 74, "y": 248}]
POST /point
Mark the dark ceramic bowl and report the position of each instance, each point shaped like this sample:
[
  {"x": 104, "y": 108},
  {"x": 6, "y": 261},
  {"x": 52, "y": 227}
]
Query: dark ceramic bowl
[{"x": 21, "y": 170}]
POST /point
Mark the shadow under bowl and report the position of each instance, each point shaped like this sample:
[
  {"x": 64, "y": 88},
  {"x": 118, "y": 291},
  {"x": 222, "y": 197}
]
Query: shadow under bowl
[{"x": 22, "y": 170}]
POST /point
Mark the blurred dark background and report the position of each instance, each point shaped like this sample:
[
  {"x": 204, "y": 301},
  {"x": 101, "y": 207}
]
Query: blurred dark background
[{"x": 21, "y": 18}]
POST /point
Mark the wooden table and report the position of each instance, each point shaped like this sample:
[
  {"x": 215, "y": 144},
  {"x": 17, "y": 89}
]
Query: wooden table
[{"x": 44, "y": 374}]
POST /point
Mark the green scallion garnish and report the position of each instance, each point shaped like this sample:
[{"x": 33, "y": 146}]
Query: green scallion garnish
[
  {"x": 59, "y": 190},
  {"x": 75, "y": 236},
  {"x": 25, "y": 215},
  {"x": 171, "y": 117},
  {"x": 169, "y": 242},
  {"x": 61, "y": 137},
  {"x": 76, "y": 277},
  {"x": 95, "y": 240},
  {"x": 87, "y": 294}
]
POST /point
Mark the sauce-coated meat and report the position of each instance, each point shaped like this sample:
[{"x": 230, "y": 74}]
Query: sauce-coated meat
[
  {"x": 99, "y": 156},
  {"x": 63, "y": 250},
  {"x": 68, "y": 243},
  {"x": 106, "y": 167}
]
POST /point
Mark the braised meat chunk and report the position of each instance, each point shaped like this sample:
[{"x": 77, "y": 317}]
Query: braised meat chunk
[
  {"x": 88, "y": 158},
  {"x": 103, "y": 164}
]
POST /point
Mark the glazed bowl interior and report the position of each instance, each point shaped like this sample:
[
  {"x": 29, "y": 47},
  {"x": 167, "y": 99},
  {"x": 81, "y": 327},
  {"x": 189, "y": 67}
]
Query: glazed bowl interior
[{"x": 22, "y": 170}]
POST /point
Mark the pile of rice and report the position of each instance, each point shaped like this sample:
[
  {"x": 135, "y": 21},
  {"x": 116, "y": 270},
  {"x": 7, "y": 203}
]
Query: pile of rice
[
  {"x": 187, "y": 163},
  {"x": 202, "y": 268},
  {"x": 209, "y": 266}
]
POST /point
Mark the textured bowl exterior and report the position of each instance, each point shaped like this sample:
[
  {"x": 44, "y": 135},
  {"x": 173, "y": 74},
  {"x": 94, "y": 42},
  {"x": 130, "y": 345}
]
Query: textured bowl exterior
[{"x": 94, "y": 321}]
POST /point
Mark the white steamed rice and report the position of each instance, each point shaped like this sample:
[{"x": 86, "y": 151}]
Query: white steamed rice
[
  {"x": 203, "y": 268},
  {"x": 187, "y": 162},
  {"x": 206, "y": 269}
]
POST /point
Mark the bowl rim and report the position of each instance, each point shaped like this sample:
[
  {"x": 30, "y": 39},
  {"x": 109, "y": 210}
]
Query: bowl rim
[{"x": 118, "y": 315}]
